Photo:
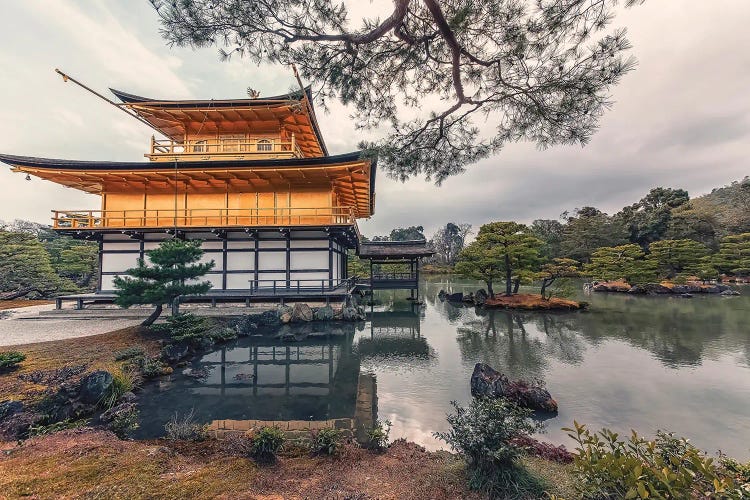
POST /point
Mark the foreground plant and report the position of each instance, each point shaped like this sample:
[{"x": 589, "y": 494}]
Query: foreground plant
[
  {"x": 266, "y": 444},
  {"x": 377, "y": 436},
  {"x": 9, "y": 360},
  {"x": 185, "y": 428},
  {"x": 666, "y": 467},
  {"x": 484, "y": 433},
  {"x": 325, "y": 441}
]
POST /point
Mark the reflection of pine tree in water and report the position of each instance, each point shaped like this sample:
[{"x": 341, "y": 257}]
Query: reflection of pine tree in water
[
  {"x": 563, "y": 343},
  {"x": 500, "y": 339}
]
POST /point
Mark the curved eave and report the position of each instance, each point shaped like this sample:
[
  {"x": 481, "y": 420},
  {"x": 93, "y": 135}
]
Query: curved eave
[
  {"x": 127, "y": 98},
  {"x": 93, "y": 172}
]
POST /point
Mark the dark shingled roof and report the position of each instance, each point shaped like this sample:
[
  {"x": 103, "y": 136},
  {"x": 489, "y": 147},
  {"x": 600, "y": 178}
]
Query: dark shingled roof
[{"x": 394, "y": 249}]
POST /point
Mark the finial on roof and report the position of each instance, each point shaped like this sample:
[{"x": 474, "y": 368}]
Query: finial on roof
[{"x": 254, "y": 94}]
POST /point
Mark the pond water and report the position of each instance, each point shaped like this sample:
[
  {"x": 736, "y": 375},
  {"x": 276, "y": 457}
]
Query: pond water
[{"x": 641, "y": 363}]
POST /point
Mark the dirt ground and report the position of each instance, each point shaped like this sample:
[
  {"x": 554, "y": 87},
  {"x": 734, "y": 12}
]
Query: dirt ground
[
  {"x": 95, "y": 464},
  {"x": 15, "y": 304}
]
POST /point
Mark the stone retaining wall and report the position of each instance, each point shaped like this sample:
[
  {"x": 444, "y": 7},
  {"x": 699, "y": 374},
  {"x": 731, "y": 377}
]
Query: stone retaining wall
[{"x": 299, "y": 431}]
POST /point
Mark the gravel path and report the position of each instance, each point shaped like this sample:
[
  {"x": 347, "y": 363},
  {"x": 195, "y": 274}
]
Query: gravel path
[{"x": 24, "y": 326}]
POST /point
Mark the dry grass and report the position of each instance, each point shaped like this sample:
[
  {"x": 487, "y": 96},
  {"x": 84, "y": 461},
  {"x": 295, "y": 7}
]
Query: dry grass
[
  {"x": 96, "y": 352},
  {"x": 533, "y": 302},
  {"x": 14, "y": 304},
  {"x": 96, "y": 464}
]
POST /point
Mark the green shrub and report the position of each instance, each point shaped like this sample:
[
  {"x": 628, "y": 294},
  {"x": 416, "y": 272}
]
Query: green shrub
[
  {"x": 183, "y": 327},
  {"x": 185, "y": 428},
  {"x": 222, "y": 334},
  {"x": 9, "y": 360},
  {"x": 483, "y": 433},
  {"x": 325, "y": 441},
  {"x": 377, "y": 436},
  {"x": 125, "y": 422},
  {"x": 266, "y": 444},
  {"x": 129, "y": 353},
  {"x": 666, "y": 467},
  {"x": 43, "y": 430},
  {"x": 149, "y": 367}
]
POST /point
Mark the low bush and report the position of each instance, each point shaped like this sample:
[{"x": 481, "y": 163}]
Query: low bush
[
  {"x": 125, "y": 422},
  {"x": 129, "y": 353},
  {"x": 183, "y": 327},
  {"x": 9, "y": 360},
  {"x": 484, "y": 434},
  {"x": 43, "y": 430},
  {"x": 147, "y": 366},
  {"x": 266, "y": 444},
  {"x": 185, "y": 428},
  {"x": 377, "y": 436},
  {"x": 666, "y": 467},
  {"x": 325, "y": 441}
]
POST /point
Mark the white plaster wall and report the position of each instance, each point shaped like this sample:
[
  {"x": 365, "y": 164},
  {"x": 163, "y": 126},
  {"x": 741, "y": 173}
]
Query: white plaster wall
[
  {"x": 271, "y": 260},
  {"x": 300, "y": 260},
  {"x": 240, "y": 261},
  {"x": 308, "y": 244},
  {"x": 239, "y": 281},
  {"x": 118, "y": 262},
  {"x": 271, "y": 244}
]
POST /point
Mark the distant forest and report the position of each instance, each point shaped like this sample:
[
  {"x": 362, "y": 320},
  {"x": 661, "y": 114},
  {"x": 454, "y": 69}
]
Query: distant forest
[
  {"x": 36, "y": 261},
  {"x": 662, "y": 214}
]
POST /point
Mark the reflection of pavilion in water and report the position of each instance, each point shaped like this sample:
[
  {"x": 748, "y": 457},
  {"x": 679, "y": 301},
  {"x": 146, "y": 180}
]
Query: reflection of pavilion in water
[
  {"x": 394, "y": 335},
  {"x": 261, "y": 378}
]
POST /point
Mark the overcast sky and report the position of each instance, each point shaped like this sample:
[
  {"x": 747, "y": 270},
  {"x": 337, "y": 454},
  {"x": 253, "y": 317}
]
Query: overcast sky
[{"x": 681, "y": 119}]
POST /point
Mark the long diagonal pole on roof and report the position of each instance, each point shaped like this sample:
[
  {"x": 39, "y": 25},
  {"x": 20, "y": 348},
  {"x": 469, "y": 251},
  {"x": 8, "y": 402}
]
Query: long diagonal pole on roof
[{"x": 100, "y": 96}]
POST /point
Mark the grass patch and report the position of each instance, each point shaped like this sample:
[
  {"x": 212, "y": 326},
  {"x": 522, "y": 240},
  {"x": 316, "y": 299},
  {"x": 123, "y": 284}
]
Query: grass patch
[
  {"x": 95, "y": 352},
  {"x": 533, "y": 302}
]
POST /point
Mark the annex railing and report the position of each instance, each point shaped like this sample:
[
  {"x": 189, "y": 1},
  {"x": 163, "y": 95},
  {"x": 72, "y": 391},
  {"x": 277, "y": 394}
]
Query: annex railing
[
  {"x": 168, "y": 149},
  {"x": 202, "y": 217},
  {"x": 299, "y": 287}
]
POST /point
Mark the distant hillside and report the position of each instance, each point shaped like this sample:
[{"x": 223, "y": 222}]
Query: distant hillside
[{"x": 724, "y": 211}]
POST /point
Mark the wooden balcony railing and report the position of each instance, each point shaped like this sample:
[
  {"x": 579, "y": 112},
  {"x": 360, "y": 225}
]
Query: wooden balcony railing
[
  {"x": 202, "y": 217},
  {"x": 213, "y": 149}
]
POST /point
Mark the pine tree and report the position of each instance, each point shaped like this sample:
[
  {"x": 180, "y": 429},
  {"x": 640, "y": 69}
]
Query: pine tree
[
  {"x": 734, "y": 255},
  {"x": 626, "y": 262},
  {"x": 501, "y": 248},
  {"x": 558, "y": 268},
  {"x": 25, "y": 267},
  {"x": 173, "y": 264},
  {"x": 676, "y": 258}
]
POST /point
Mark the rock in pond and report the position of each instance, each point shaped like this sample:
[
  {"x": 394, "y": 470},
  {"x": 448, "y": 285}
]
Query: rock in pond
[
  {"x": 174, "y": 353},
  {"x": 95, "y": 386},
  {"x": 302, "y": 313},
  {"x": 324, "y": 313},
  {"x": 480, "y": 297},
  {"x": 729, "y": 293},
  {"x": 455, "y": 297},
  {"x": 488, "y": 382}
]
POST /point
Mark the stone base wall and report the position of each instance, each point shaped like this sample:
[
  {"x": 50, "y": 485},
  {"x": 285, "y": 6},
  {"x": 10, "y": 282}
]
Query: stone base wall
[{"x": 300, "y": 431}]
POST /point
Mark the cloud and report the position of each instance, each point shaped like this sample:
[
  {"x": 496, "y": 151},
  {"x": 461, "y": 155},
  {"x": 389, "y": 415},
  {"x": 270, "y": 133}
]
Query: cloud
[{"x": 679, "y": 119}]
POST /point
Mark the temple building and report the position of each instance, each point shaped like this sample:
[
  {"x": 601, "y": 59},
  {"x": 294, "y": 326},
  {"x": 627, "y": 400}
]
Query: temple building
[{"x": 251, "y": 178}]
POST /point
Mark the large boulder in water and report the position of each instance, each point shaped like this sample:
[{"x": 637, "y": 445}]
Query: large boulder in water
[
  {"x": 455, "y": 297},
  {"x": 480, "y": 297},
  {"x": 302, "y": 313},
  {"x": 488, "y": 382},
  {"x": 324, "y": 313}
]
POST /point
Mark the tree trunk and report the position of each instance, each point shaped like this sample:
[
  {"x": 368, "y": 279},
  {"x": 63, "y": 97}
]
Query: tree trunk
[
  {"x": 516, "y": 284},
  {"x": 154, "y": 316},
  {"x": 490, "y": 291},
  {"x": 508, "y": 276}
]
